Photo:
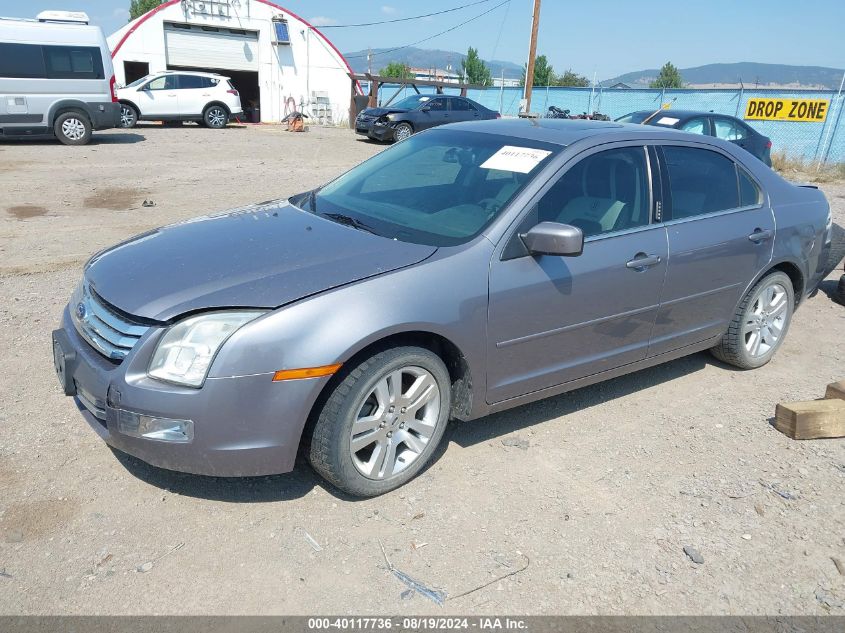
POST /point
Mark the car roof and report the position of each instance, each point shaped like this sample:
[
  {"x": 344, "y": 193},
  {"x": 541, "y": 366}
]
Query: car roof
[{"x": 567, "y": 131}]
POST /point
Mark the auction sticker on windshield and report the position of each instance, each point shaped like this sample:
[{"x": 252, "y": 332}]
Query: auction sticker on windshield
[{"x": 518, "y": 159}]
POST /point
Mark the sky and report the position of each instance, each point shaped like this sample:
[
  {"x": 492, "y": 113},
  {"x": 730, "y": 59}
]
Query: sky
[{"x": 602, "y": 37}]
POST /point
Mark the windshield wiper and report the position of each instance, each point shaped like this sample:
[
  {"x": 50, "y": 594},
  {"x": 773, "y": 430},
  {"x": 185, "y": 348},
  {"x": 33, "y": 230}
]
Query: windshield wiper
[{"x": 348, "y": 220}]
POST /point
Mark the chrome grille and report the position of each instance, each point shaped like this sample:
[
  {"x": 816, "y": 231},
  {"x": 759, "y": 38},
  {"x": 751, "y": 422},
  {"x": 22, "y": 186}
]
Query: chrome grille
[{"x": 110, "y": 333}]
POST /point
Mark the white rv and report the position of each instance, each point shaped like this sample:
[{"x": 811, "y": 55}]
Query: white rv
[{"x": 56, "y": 78}]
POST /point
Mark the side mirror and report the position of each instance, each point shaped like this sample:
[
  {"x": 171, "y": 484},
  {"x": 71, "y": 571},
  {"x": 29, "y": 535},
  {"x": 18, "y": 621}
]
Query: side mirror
[
  {"x": 553, "y": 238},
  {"x": 425, "y": 108}
]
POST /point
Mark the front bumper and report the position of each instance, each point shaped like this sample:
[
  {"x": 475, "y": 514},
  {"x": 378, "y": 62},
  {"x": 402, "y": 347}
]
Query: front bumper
[
  {"x": 380, "y": 132},
  {"x": 242, "y": 426}
]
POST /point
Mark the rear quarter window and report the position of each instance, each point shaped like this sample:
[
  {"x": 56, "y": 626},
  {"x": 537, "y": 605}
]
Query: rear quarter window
[{"x": 73, "y": 62}]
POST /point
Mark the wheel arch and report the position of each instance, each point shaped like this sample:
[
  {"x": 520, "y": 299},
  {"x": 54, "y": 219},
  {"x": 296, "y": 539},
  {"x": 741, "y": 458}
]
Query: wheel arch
[
  {"x": 132, "y": 104},
  {"x": 790, "y": 269},
  {"x": 216, "y": 103},
  {"x": 68, "y": 105},
  {"x": 451, "y": 355}
]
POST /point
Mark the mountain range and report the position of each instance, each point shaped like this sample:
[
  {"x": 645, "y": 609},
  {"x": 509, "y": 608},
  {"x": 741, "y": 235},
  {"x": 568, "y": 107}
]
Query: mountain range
[
  {"x": 426, "y": 58},
  {"x": 749, "y": 74}
]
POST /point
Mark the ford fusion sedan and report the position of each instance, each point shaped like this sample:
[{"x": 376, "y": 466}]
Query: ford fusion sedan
[
  {"x": 417, "y": 113},
  {"x": 467, "y": 270},
  {"x": 721, "y": 126}
]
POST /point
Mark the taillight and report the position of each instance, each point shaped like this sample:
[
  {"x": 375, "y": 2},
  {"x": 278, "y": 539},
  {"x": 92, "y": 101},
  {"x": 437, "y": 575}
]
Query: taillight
[
  {"x": 233, "y": 92},
  {"x": 498, "y": 115},
  {"x": 768, "y": 145},
  {"x": 113, "y": 88}
]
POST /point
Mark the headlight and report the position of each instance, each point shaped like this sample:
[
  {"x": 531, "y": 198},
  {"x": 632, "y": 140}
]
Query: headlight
[{"x": 184, "y": 354}]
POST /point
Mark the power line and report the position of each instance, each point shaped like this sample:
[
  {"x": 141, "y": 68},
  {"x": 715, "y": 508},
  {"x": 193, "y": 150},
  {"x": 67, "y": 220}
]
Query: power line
[
  {"x": 416, "y": 17},
  {"x": 431, "y": 37}
]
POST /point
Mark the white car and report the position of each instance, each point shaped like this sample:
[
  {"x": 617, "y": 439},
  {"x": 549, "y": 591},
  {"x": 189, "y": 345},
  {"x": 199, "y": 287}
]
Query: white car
[{"x": 207, "y": 98}]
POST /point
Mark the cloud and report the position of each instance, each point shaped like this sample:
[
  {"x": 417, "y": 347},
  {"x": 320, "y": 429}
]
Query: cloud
[
  {"x": 322, "y": 20},
  {"x": 122, "y": 14},
  {"x": 385, "y": 8}
]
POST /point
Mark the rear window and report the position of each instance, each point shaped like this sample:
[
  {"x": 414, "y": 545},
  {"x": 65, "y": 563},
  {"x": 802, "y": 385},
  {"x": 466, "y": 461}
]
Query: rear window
[{"x": 36, "y": 61}]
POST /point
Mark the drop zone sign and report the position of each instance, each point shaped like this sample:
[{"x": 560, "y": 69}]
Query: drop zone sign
[{"x": 814, "y": 110}]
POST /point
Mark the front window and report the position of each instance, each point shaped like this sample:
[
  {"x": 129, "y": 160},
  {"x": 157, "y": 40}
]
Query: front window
[
  {"x": 695, "y": 126},
  {"x": 440, "y": 188},
  {"x": 605, "y": 192}
]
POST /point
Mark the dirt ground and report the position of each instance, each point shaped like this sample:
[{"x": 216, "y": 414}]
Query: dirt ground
[{"x": 597, "y": 492}]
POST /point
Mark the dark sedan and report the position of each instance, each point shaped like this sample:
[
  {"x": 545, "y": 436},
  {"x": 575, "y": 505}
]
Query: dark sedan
[
  {"x": 419, "y": 112},
  {"x": 721, "y": 126}
]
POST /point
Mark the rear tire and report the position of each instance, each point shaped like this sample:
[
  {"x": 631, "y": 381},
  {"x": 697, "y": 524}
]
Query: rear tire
[
  {"x": 73, "y": 128},
  {"x": 215, "y": 116},
  {"x": 760, "y": 323},
  {"x": 381, "y": 424}
]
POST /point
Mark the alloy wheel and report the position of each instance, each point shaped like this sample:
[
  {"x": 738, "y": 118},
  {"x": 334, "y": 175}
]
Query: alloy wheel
[
  {"x": 395, "y": 422},
  {"x": 73, "y": 128},
  {"x": 216, "y": 117},
  {"x": 402, "y": 132},
  {"x": 127, "y": 116},
  {"x": 765, "y": 320}
]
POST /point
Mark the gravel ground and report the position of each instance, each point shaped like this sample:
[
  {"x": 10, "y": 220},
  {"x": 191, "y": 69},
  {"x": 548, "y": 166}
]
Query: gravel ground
[{"x": 597, "y": 492}]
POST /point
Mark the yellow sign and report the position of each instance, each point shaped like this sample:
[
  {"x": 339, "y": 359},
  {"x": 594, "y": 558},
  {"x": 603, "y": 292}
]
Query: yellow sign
[{"x": 787, "y": 109}]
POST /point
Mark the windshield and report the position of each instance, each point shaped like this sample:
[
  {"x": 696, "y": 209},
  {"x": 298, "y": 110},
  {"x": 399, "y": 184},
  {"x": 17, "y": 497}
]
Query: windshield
[
  {"x": 410, "y": 103},
  {"x": 633, "y": 117},
  {"x": 439, "y": 188},
  {"x": 138, "y": 82}
]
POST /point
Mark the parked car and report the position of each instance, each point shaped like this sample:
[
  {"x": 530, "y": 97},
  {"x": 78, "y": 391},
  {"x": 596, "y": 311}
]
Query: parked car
[
  {"x": 56, "y": 78},
  {"x": 469, "y": 269},
  {"x": 416, "y": 113},
  {"x": 207, "y": 98},
  {"x": 721, "y": 126}
]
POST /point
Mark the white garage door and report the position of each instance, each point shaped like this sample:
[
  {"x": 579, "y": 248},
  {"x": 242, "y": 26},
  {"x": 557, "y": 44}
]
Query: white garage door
[{"x": 204, "y": 47}]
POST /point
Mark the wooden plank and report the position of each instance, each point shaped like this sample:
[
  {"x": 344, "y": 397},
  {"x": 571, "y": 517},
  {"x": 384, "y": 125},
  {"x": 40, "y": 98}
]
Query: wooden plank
[
  {"x": 811, "y": 420},
  {"x": 835, "y": 390}
]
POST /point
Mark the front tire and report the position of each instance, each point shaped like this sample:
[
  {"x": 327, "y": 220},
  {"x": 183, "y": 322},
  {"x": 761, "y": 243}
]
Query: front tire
[
  {"x": 760, "y": 323},
  {"x": 381, "y": 424},
  {"x": 215, "y": 116},
  {"x": 128, "y": 116},
  {"x": 402, "y": 131},
  {"x": 73, "y": 128}
]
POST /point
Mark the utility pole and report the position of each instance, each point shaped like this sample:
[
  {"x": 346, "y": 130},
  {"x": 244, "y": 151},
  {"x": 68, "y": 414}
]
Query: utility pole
[{"x": 532, "y": 54}]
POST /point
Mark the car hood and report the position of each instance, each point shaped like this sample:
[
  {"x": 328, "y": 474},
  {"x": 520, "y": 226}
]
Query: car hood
[
  {"x": 262, "y": 256},
  {"x": 382, "y": 111}
]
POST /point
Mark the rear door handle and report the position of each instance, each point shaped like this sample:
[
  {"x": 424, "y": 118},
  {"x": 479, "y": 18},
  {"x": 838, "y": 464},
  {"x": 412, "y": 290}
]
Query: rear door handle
[
  {"x": 642, "y": 261},
  {"x": 759, "y": 235}
]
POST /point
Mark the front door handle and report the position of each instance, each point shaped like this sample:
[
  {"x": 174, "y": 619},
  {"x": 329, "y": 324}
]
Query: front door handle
[
  {"x": 759, "y": 235},
  {"x": 642, "y": 261}
]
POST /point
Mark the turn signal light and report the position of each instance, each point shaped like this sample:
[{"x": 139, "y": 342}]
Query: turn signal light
[{"x": 308, "y": 372}]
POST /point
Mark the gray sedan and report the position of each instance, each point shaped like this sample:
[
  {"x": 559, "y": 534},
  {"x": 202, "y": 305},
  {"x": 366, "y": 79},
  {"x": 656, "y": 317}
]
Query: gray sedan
[{"x": 468, "y": 269}]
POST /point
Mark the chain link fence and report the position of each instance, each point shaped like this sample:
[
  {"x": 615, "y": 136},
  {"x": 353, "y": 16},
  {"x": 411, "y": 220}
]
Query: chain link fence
[{"x": 822, "y": 142}]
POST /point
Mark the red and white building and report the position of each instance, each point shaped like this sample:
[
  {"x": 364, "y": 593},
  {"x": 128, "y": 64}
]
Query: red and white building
[{"x": 277, "y": 61}]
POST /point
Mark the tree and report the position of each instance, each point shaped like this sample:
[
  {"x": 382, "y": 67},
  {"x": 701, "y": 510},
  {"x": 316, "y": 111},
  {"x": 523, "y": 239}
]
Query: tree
[
  {"x": 137, "y": 8},
  {"x": 572, "y": 80},
  {"x": 544, "y": 74},
  {"x": 474, "y": 70},
  {"x": 669, "y": 77},
  {"x": 397, "y": 70}
]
